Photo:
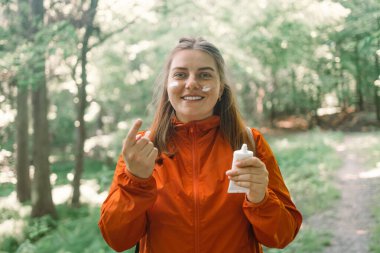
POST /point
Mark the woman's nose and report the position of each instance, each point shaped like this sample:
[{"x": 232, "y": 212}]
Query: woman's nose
[{"x": 192, "y": 82}]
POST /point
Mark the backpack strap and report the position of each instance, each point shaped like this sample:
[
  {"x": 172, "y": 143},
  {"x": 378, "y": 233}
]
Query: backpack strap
[{"x": 250, "y": 135}]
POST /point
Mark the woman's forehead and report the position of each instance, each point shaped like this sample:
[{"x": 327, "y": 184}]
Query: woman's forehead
[{"x": 193, "y": 59}]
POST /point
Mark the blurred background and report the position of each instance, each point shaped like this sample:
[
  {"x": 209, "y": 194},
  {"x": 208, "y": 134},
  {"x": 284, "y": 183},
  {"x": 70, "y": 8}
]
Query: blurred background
[{"x": 75, "y": 74}]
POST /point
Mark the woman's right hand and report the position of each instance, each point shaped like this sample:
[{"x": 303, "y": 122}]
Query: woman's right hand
[{"x": 139, "y": 152}]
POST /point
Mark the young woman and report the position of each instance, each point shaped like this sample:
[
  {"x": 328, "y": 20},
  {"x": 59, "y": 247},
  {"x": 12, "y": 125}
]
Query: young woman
[{"x": 169, "y": 192}]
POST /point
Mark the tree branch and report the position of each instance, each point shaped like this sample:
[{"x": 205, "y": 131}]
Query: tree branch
[{"x": 107, "y": 36}]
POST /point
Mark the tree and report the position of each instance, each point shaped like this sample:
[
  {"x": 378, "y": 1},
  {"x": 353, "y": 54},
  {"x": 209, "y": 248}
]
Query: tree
[
  {"x": 42, "y": 202},
  {"x": 22, "y": 166},
  {"x": 23, "y": 187},
  {"x": 82, "y": 102}
]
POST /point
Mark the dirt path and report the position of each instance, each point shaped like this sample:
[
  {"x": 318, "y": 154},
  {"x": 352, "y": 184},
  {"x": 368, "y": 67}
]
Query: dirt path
[{"x": 349, "y": 221}]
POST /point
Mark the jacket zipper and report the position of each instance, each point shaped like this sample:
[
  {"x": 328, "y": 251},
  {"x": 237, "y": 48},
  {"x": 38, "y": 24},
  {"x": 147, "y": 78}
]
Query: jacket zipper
[{"x": 196, "y": 193}]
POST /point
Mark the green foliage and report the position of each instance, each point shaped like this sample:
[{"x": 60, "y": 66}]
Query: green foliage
[
  {"x": 8, "y": 244},
  {"x": 39, "y": 227},
  {"x": 101, "y": 171},
  {"x": 62, "y": 126},
  {"x": 6, "y": 189},
  {"x": 7, "y": 214},
  {"x": 77, "y": 232},
  {"x": 61, "y": 169}
]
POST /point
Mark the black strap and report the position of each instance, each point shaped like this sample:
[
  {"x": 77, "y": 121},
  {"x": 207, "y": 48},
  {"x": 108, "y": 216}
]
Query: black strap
[{"x": 137, "y": 247}]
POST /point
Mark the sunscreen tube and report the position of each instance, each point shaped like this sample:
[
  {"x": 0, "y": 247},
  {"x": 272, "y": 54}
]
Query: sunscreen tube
[{"x": 239, "y": 155}]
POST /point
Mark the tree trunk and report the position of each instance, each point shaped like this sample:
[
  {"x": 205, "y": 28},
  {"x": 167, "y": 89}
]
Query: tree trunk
[
  {"x": 42, "y": 202},
  {"x": 272, "y": 95},
  {"x": 23, "y": 186},
  {"x": 377, "y": 77},
  {"x": 359, "y": 92},
  {"x": 82, "y": 95},
  {"x": 376, "y": 87}
]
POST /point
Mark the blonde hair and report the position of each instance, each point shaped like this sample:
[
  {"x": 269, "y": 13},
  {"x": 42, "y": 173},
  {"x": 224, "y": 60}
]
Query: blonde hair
[{"x": 231, "y": 123}]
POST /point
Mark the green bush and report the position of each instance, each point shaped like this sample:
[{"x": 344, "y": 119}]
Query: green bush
[
  {"x": 39, "y": 227},
  {"x": 9, "y": 244},
  {"x": 6, "y": 189}
]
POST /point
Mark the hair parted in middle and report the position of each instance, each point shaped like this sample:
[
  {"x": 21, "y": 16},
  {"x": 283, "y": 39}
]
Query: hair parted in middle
[{"x": 232, "y": 125}]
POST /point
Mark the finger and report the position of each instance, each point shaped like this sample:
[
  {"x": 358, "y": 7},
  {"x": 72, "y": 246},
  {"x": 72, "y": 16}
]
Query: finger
[
  {"x": 256, "y": 179},
  {"x": 139, "y": 136},
  {"x": 131, "y": 136},
  {"x": 249, "y": 162},
  {"x": 244, "y": 184},
  {"x": 245, "y": 170},
  {"x": 153, "y": 154},
  {"x": 140, "y": 144},
  {"x": 145, "y": 151},
  {"x": 249, "y": 185}
]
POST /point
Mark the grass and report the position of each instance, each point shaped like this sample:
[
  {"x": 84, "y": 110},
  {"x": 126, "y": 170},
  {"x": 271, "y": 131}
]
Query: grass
[
  {"x": 307, "y": 161},
  {"x": 375, "y": 235},
  {"x": 75, "y": 231},
  {"x": 370, "y": 153},
  {"x": 308, "y": 240},
  {"x": 369, "y": 149}
]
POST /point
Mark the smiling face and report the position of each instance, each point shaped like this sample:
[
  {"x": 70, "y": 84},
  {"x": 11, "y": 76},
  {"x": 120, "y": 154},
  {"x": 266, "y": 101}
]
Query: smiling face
[{"x": 193, "y": 85}]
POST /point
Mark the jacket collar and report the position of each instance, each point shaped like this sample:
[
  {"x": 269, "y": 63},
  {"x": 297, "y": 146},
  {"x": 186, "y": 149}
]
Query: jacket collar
[{"x": 197, "y": 125}]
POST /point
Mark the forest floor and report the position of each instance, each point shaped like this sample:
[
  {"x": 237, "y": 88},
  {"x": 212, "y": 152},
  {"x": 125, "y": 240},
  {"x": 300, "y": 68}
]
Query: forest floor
[{"x": 349, "y": 221}]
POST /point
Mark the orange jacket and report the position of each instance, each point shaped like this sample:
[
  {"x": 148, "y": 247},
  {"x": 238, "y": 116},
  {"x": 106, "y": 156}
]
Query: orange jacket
[{"x": 184, "y": 207}]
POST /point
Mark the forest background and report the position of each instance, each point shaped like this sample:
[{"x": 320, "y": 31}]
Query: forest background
[{"x": 75, "y": 74}]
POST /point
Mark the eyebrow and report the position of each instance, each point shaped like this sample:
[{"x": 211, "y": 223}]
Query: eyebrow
[{"x": 202, "y": 68}]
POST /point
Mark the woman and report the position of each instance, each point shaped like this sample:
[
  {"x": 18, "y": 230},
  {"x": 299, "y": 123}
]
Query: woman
[{"x": 170, "y": 186}]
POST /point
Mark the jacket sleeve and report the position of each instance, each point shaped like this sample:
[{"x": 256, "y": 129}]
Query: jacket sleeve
[
  {"x": 275, "y": 220},
  {"x": 123, "y": 218}
]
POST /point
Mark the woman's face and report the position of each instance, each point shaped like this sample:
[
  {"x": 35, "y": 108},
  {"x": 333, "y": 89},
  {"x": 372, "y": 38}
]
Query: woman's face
[{"x": 193, "y": 85}]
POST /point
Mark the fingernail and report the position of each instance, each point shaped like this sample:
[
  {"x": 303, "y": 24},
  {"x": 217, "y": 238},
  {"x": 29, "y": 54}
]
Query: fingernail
[
  {"x": 147, "y": 133},
  {"x": 138, "y": 137}
]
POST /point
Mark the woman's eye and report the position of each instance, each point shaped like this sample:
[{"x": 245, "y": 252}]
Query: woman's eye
[
  {"x": 205, "y": 75},
  {"x": 179, "y": 75}
]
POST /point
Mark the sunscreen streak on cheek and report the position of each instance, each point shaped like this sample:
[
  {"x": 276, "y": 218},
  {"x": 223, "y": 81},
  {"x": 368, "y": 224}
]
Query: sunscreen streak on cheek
[
  {"x": 173, "y": 84},
  {"x": 206, "y": 88}
]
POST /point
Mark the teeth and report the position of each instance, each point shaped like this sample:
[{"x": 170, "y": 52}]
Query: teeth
[{"x": 192, "y": 98}]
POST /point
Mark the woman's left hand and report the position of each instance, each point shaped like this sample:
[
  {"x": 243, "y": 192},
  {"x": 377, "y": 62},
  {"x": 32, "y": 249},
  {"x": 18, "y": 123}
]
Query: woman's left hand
[{"x": 251, "y": 173}]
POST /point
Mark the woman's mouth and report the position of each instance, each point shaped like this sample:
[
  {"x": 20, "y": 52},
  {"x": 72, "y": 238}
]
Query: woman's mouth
[{"x": 192, "y": 98}]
